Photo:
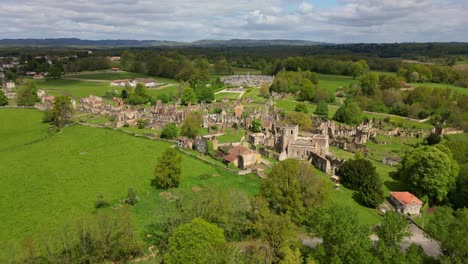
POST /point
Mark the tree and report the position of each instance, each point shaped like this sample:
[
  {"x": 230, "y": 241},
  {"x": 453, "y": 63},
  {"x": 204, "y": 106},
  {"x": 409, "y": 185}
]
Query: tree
[
  {"x": 204, "y": 92},
  {"x": 124, "y": 94},
  {"x": 322, "y": 109},
  {"x": 349, "y": 113},
  {"x": 369, "y": 83},
  {"x": 298, "y": 118},
  {"x": 168, "y": 169},
  {"x": 191, "y": 126},
  {"x": 195, "y": 242},
  {"x": 10, "y": 76},
  {"x": 459, "y": 196},
  {"x": 291, "y": 187},
  {"x": 277, "y": 231},
  {"x": 256, "y": 126},
  {"x": 3, "y": 98},
  {"x": 189, "y": 96},
  {"x": 359, "y": 174},
  {"x": 345, "y": 239},
  {"x": 390, "y": 82},
  {"x": 139, "y": 95},
  {"x": 55, "y": 72},
  {"x": 451, "y": 229},
  {"x": 222, "y": 67},
  {"x": 301, "y": 107},
  {"x": 62, "y": 111},
  {"x": 429, "y": 171},
  {"x": 27, "y": 94},
  {"x": 392, "y": 230},
  {"x": 358, "y": 68},
  {"x": 170, "y": 131},
  {"x": 433, "y": 139},
  {"x": 264, "y": 90}
]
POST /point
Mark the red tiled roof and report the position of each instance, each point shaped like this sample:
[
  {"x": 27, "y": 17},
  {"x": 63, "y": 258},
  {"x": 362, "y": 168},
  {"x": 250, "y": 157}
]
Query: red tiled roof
[{"x": 406, "y": 198}]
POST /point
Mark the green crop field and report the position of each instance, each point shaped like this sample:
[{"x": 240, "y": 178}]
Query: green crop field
[{"x": 49, "y": 180}]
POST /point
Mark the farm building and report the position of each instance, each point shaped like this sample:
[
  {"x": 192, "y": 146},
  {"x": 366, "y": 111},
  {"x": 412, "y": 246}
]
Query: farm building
[{"x": 406, "y": 202}]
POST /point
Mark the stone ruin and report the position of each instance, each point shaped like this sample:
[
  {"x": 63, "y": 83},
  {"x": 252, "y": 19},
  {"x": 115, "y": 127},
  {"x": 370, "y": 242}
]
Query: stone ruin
[{"x": 248, "y": 80}]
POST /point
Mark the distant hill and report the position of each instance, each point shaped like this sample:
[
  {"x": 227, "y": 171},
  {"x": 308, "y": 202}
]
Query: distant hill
[{"x": 154, "y": 43}]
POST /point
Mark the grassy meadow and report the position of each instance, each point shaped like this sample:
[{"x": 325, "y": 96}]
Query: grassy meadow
[{"x": 48, "y": 181}]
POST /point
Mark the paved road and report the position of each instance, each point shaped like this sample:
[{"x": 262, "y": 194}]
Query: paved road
[{"x": 430, "y": 246}]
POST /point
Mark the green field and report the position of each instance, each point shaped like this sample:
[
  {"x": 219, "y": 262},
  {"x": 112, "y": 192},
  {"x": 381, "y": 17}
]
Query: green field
[
  {"x": 109, "y": 76},
  {"x": 230, "y": 96},
  {"x": 333, "y": 82},
  {"x": 49, "y": 180},
  {"x": 73, "y": 88}
]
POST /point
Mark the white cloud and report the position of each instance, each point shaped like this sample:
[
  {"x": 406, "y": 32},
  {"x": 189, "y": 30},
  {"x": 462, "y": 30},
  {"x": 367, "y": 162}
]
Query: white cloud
[{"x": 187, "y": 20}]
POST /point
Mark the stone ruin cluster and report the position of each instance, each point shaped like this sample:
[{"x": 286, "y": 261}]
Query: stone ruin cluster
[{"x": 248, "y": 80}]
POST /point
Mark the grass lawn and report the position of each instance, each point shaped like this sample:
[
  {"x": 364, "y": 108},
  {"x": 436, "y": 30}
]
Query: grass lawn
[
  {"x": 74, "y": 88},
  {"x": 344, "y": 197},
  {"x": 442, "y": 86},
  {"x": 254, "y": 93},
  {"x": 108, "y": 76},
  {"x": 170, "y": 91},
  {"x": 231, "y": 135},
  {"x": 47, "y": 183},
  {"x": 333, "y": 82},
  {"x": 230, "y": 96}
]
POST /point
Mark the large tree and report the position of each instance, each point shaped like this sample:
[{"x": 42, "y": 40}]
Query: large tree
[
  {"x": 189, "y": 96},
  {"x": 192, "y": 123},
  {"x": 197, "y": 242},
  {"x": 139, "y": 95},
  {"x": 292, "y": 186},
  {"x": 62, "y": 111},
  {"x": 27, "y": 94},
  {"x": 345, "y": 238},
  {"x": 369, "y": 83},
  {"x": 359, "y": 174},
  {"x": 349, "y": 113},
  {"x": 168, "y": 169},
  {"x": 429, "y": 170},
  {"x": 322, "y": 109},
  {"x": 298, "y": 118},
  {"x": 451, "y": 229}
]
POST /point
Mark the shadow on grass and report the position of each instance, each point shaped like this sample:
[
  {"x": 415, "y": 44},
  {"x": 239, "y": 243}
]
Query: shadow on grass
[{"x": 396, "y": 186}]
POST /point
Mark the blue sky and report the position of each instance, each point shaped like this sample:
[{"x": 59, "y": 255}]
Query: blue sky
[{"x": 338, "y": 21}]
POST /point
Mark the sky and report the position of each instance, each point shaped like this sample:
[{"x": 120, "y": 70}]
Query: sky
[{"x": 333, "y": 21}]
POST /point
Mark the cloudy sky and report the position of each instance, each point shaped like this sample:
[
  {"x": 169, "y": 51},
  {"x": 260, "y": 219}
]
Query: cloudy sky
[{"x": 339, "y": 21}]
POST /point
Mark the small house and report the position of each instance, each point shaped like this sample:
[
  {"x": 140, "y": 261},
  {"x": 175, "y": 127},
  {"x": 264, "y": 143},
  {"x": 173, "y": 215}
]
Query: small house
[{"x": 406, "y": 202}]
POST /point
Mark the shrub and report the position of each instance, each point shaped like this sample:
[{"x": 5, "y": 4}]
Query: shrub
[
  {"x": 132, "y": 197},
  {"x": 100, "y": 201}
]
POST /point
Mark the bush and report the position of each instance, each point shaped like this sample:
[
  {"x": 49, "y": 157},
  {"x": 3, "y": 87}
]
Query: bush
[
  {"x": 132, "y": 197},
  {"x": 100, "y": 201},
  {"x": 142, "y": 123},
  {"x": 48, "y": 116}
]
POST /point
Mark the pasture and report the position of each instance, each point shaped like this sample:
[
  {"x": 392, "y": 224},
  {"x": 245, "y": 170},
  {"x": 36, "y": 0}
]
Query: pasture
[
  {"x": 333, "y": 82},
  {"x": 48, "y": 181}
]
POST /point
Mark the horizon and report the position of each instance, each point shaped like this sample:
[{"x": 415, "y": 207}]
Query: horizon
[{"x": 340, "y": 21}]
